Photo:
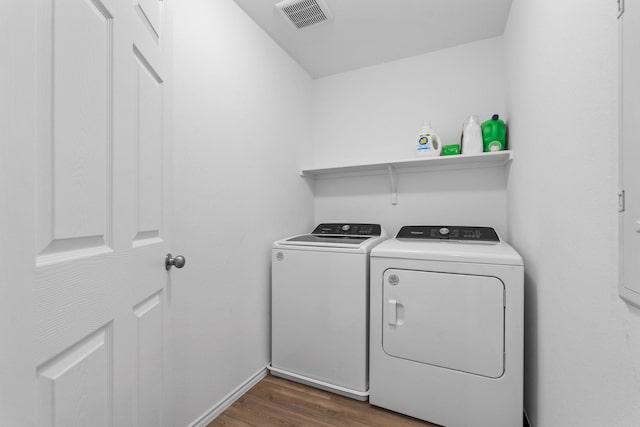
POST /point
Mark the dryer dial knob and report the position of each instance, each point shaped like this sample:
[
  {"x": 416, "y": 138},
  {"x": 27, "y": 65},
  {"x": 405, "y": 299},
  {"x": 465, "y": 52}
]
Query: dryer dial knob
[
  {"x": 444, "y": 231},
  {"x": 346, "y": 227}
]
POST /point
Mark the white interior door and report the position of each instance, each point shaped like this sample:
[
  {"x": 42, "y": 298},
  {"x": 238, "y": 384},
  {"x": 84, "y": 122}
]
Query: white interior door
[{"x": 100, "y": 297}]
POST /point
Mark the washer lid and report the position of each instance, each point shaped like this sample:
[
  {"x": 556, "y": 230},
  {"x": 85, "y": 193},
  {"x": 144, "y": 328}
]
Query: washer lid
[
  {"x": 448, "y": 250},
  {"x": 313, "y": 238},
  {"x": 357, "y": 237}
]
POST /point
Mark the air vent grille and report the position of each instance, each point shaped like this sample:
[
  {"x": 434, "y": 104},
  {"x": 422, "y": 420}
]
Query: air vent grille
[{"x": 305, "y": 13}]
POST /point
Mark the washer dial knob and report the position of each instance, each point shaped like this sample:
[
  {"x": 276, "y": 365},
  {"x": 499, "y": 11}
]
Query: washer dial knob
[
  {"x": 346, "y": 227},
  {"x": 444, "y": 231}
]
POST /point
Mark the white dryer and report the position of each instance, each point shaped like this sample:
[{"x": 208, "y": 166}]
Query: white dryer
[
  {"x": 319, "y": 307},
  {"x": 446, "y": 341}
]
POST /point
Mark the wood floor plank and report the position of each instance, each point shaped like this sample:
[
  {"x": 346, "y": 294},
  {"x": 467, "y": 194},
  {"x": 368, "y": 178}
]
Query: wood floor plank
[
  {"x": 229, "y": 421},
  {"x": 307, "y": 412},
  {"x": 278, "y": 402},
  {"x": 275, "y": 414}
]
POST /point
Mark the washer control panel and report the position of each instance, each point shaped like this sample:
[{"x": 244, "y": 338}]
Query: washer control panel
[
  {"x": 439, "y": 232},
  {"x": 349, "y": 229}
]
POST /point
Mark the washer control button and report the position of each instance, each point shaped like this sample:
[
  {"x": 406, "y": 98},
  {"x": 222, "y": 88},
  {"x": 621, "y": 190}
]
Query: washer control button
[{"x": 444, "y": 231}]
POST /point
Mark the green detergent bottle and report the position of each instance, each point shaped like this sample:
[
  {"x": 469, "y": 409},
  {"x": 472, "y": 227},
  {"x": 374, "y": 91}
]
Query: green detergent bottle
[{"x": 494, "y": 134}]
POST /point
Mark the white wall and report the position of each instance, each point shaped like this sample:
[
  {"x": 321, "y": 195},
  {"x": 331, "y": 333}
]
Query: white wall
[
  {"x": 232, "y": 83},
  {"x": 242, "y": 111},
  {"x": 582, "y": 342},
  {"x": 374, "y": 115},
  {"x": 457, "y": 197}
]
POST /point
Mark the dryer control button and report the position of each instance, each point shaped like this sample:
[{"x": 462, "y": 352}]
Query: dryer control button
[
  {"x": 444, "y": 231},
  {"x": 393, "y": 280}
]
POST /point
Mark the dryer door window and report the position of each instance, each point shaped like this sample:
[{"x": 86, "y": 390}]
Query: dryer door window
[{"x": 453, "y": 321}]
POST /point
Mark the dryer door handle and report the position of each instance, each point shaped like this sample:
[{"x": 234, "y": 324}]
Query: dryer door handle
[
  {"x": 395, "y": 312},
  {"x": 392, "y": 312}
]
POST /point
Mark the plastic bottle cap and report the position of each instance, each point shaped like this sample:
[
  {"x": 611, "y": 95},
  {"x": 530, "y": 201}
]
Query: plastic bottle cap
[{"x": 495, "y": 117}]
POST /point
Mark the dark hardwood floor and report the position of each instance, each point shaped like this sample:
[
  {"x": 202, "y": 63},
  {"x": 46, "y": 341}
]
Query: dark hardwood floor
[{"x": 278, "y": 402}]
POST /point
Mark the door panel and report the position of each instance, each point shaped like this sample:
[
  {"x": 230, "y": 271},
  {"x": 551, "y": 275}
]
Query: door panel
[
  {"x": 150, "y": 321},
  {"x": 82, "y": 93},
  {"x": 75, "y": 135},
  {"x": 454, "y": 321},
  {"x": 75, "y": 387},
  {"x": 149, "y": 126},
  {"x": 149, "y": 12}
]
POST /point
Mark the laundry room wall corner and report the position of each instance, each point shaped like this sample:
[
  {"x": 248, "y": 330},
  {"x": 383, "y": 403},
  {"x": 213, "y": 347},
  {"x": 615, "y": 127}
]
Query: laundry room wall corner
[{"x": 242, "y": 116}]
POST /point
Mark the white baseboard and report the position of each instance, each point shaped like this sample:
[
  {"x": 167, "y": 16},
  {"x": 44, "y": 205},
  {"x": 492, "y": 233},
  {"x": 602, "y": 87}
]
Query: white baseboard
[
  {"x": 229, "y": 399},
  {"x": 313, "y": 382}
]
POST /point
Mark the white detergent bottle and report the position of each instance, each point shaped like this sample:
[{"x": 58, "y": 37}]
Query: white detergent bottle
[
  {"x": 428, "y": 143},
  {"x": 472, "y": 136}
]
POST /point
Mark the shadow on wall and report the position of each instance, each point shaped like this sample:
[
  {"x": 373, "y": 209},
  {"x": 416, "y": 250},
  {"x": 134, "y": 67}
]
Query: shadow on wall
[
  {"x": 454, "y": 181},
  {"x": 452, "y": 197},
  {"x": 531, "y": 368}
]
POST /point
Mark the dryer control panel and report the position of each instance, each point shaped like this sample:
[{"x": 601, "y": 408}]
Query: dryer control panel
[{"x": 447, "y": 232}]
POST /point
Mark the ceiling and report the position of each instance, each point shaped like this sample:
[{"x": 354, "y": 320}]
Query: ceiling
[{"x": 369, "y": 32}]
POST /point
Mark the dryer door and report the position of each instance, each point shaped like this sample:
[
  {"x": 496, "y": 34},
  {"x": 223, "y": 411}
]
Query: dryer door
[{"x": 453, "y": 321}]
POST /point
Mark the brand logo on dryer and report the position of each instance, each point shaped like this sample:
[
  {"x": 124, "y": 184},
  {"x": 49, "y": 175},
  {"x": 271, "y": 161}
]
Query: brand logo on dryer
[
  {"x": 279, "y": 256},
  {"x": 393, "y": 280}
]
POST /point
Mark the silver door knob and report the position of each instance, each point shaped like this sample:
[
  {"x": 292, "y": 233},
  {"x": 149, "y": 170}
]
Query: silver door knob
[{"x": 170, "y": 261}]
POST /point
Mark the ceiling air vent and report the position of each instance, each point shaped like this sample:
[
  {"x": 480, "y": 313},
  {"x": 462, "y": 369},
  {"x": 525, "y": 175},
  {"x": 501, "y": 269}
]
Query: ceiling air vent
[{"x": 305, "y": 13}]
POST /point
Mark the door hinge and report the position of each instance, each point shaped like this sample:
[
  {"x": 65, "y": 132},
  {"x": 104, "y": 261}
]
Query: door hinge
[
  {"x": 620, "y": 8},
  {"x": 621, "y": 201}
]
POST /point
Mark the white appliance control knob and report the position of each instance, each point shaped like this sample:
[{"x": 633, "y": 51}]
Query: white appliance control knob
[
  {"x": 346, "y": 227},
  {"x": 444, "y": 231}
]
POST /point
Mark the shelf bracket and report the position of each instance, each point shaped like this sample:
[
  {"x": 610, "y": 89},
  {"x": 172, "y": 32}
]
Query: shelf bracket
[{"x": 392, "y": 180}]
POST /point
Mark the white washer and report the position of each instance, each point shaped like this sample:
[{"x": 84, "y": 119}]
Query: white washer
[
  {"x": 319, "y": 307},
  {"x": 446, "y": 341}
]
